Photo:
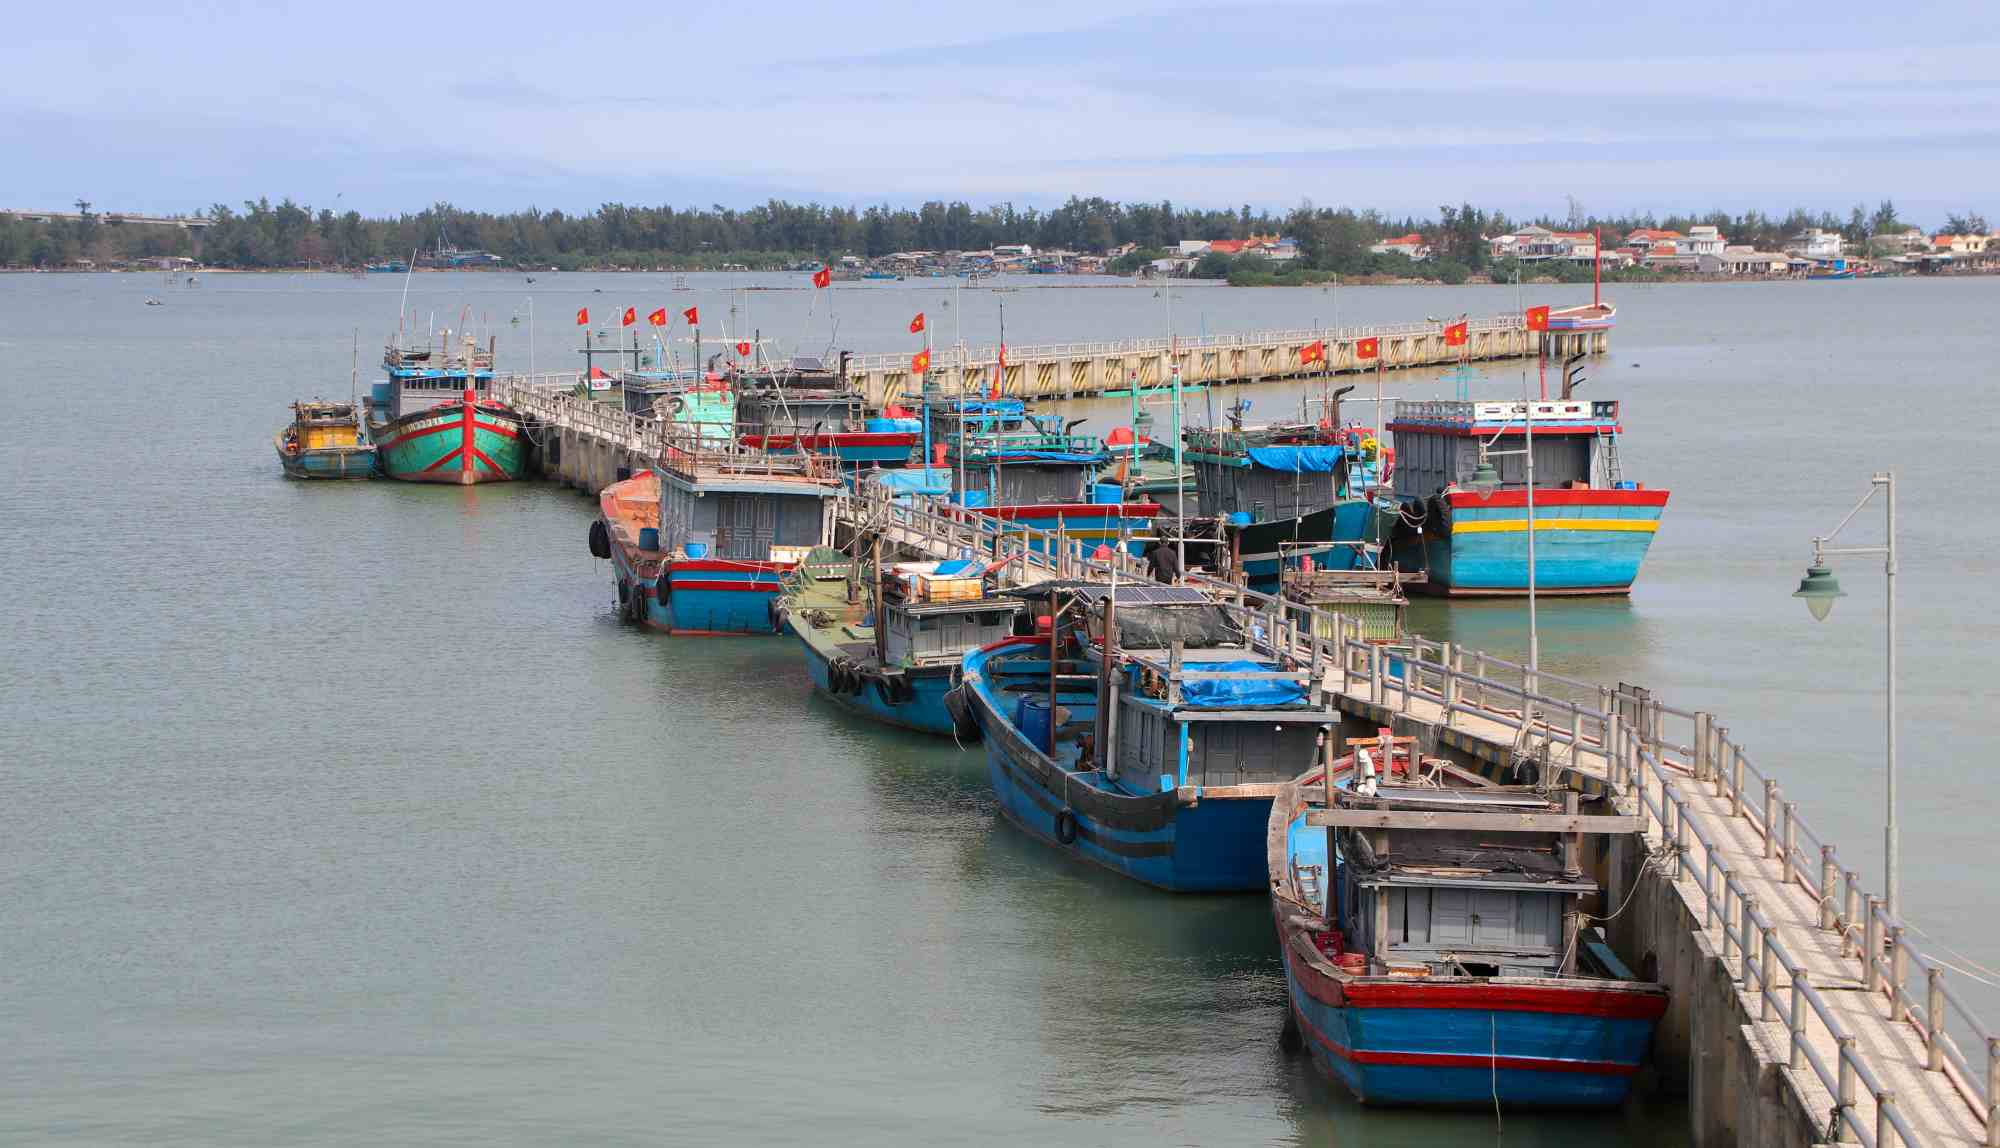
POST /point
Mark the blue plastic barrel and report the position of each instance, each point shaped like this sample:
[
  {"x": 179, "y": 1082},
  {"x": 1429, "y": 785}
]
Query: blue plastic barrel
[
  {"x": 1032, "y": 719},
  {"x": 649, "y": 538},
  {"x": 1239, "y": 518},
  {"x": 697, "y": 550},
  {"x": 970, "y": 498},
  {"x": 1107, "y": 494}
]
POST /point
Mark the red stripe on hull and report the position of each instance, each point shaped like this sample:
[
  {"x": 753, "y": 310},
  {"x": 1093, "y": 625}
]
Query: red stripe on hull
[
  {"x": 708, "y": 584},
  {"x": 745, "y": 566},
  {"x": 1356, "y": 992},
  {"x": 835, "y": 438},
  {"x": 1513, "y": 431}
]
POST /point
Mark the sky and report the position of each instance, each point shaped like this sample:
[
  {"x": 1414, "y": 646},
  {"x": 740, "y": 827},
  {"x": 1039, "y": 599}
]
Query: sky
[{"x": 1401, "y": 106}]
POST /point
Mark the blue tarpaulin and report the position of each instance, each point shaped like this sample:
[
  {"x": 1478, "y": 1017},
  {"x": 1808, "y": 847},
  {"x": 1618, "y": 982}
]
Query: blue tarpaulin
[
  {"x": 1211, "y": 694},
  {"x": 914, "y": 480},
  {"x": 1309, "y": 459}
]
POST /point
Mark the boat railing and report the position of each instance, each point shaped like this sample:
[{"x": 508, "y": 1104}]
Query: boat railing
[
  {"x": 1680, "y": 767},
  {"x": 685, "y": 450}
]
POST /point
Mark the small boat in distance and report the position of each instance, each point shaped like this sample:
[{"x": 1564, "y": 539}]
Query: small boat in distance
[
  {"x": 1590, "y": 317},
  {"x": 1433, "y": 959},
  {"x": 324, "y": 440}
]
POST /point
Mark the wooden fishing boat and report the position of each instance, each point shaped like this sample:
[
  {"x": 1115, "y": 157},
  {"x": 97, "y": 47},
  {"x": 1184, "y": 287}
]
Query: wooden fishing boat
[
  {"x": 1431, "y": 927},
  {"x": 703, "y": 545},
  {"x": 1152, "y": 747},
  {"x": 885, "y": 641},
  {"x": 1467, "y": 531},
  {"x": 433, "y": 421},
  {"x": 324, "y": 440},
  {"x": 1284, "y": 490}
]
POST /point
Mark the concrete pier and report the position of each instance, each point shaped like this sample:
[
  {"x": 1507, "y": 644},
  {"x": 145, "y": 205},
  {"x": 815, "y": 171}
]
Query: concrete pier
[{"x": 1072, "y": 370}]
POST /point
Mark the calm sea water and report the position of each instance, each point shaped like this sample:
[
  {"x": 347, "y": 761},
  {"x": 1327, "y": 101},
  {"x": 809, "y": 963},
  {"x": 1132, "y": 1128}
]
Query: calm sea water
[{"x": 349, "y": 814}]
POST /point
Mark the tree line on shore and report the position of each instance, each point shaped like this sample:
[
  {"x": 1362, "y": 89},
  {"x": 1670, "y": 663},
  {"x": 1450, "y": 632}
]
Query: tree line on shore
[{"x": 776, "y": 234}]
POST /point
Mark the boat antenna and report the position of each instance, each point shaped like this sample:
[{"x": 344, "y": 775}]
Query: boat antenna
[
  {"x": 404, "y": 307},
  {"x": 1596, "y": 266},
  {"x": 354, "y": 373}
]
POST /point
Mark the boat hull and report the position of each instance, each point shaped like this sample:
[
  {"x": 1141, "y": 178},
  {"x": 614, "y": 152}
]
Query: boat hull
[
  {"x": 697, "y": 596},
  {"x": 349, "y": 463},
  {"x": 923, "y": 708},
  {"x": 848, "y": 448},
  {"x": 1404, "y": 1042},
  {"x": 461, "y": 444},
  {"x": 1586, "y": 542},
  {"x": 1207, "y": 845}
]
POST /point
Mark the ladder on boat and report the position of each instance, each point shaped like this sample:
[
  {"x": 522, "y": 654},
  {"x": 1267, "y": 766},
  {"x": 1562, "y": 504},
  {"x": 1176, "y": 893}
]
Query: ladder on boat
[{"x": 1607, "y": 449}]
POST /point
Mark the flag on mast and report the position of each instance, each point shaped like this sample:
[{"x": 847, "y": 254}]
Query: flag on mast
[
  {"x": 1538, "y": 318},
  {"x": 658, "y": 318},
  {"x": 917, "y": 324},
  {"x": 1457, "y": 335},
  {"x": 693, "y": 316},
  {"x": 583, "y": 316},
  {"x": 630, "y": 317},
  {"x": 823, "y": 277},
  {"x": 1367, "y": 348}
]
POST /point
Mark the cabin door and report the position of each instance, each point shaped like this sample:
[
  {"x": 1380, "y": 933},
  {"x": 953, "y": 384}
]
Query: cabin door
[{"x": 745, "y": 526}]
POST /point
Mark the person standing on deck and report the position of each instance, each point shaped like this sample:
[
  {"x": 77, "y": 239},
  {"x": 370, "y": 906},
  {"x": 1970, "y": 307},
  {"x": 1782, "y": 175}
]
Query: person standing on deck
[{"x": 1165, "y": 563}]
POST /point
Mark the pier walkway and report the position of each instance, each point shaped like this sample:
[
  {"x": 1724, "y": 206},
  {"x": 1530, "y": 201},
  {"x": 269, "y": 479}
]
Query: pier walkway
[
  {"x": 1072, "y": 370},
  {"x": 1836, "y": 1026}
]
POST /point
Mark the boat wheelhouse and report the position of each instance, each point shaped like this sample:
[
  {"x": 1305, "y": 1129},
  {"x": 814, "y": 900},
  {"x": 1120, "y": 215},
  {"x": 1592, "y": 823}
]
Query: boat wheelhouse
[
  {"x": 1431, "y": 925},
  {"x": 811, "y": 406},
  {"x": 888, "y": 647},
  {"x": 1037, "y": 475},
  {"x": 702, "y": 545},
  {"x": 1283, "y": 492},
  {"x": 433, "y": 420},
  {"x": 1467, "y": 530},
  {"x": 1152, "y": 746},
  {"x": 324, "y": 440}
]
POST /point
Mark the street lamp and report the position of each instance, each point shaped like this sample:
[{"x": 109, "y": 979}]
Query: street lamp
[{"x": 1818, "y": 589}]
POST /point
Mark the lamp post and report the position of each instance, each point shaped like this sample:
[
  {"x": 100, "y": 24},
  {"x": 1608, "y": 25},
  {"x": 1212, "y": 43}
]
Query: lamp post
[
  {"x": 1818, "y": 589},
  {"x": 1486, "y": 480}
]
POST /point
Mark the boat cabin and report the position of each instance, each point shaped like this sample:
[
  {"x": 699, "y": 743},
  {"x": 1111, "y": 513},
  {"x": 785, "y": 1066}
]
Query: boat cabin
[
  {"x": 932, "y": 614},
  {"x": 1439, "y": 443},
  {"x": 1268, "y": 473},
  {"x": 319, "y": 426},
  {"x": 1197, "y": 704},
  {"x": 1028, "y": 467},
  {"x": 721, "y": 500},
  {"x": 1438, "y": 871},
  {"x": 432, "y": 374}
]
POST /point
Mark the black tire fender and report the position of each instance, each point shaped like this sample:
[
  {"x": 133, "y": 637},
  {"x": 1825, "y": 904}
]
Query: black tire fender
[
  {"x": 600, "y": 540},
  {"x": 1065, "y": 827}
]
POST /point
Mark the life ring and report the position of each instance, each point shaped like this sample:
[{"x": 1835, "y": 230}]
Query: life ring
[
  {"x": 600, "y": 540},
  {"x": 1065, "y": 827}
]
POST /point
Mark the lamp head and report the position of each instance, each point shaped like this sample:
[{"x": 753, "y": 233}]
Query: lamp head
[
  {"x": 1484, "y": 478},
  {"x": 1819, "y": 588}
]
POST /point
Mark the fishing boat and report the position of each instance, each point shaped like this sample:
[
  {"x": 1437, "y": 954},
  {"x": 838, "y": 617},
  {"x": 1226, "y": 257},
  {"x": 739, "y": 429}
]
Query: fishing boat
[
  {"x": 809, "y": 405},
  {"x": 885, "y": 641},
  {"x": 1599, "y": 316},
  {"x": 324, "y": 440},
  {"x": 1146, "y": 735},
  {"x": 702, "y": 546},
  {"x": 1463, "y": 522},
  {"x": 432, "y": 420},
  {"x": 1285, "y": 492},
  {"x": 1030, "y": 471},
  {"x": 1434, "y": 959}
]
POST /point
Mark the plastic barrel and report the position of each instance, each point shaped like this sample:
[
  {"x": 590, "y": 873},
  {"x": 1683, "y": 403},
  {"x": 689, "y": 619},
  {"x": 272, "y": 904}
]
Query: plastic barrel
[
  {"x": 697, "y": 549},
  {"x": 1239, "y": 518},
  {"x": 1032, "y": 720},
  {"x": 1107, "y": 494},
  {"x": 649, "y": 538}
]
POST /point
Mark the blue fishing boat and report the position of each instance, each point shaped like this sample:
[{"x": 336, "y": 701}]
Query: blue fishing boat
[
  {"x": 1433, "y": 959},
  {"x": 1151, "y": 746},
  {"x": 703, "y": 545},
  {"x": 1030, "y": 471},
  {"x": 1461, "y": 520},
  {"x": 889, "y": 647},
  {"x": 1284, "y": 494}
]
